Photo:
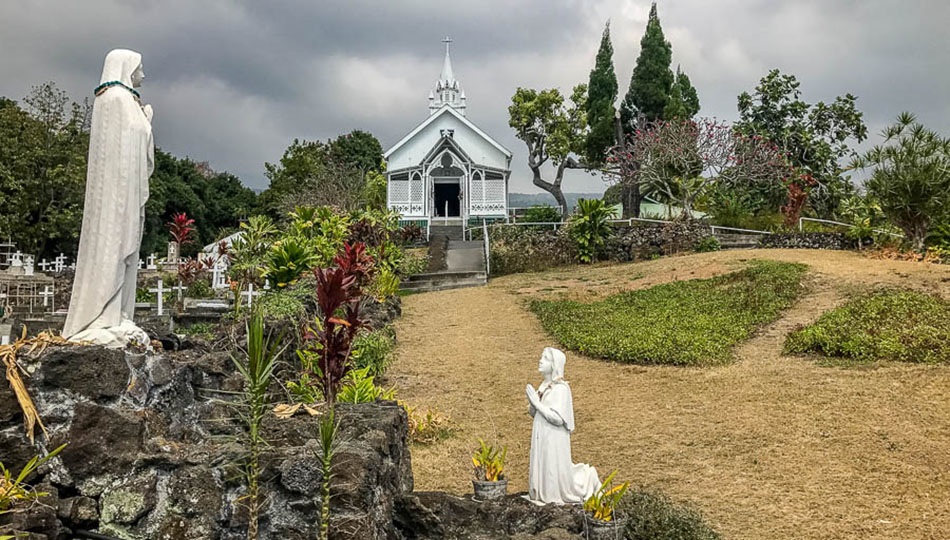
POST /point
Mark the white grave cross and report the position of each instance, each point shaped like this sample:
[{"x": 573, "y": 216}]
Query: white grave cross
[
  {"x": 59, "y": 263},
  {"x": 28, "y": 265},
  {"x": 159, "y": 291},
  {"x": 45, "y": 265},
  {"x": 47, "y": 295},
  {"x": 250, "y": 293},
  {"x": 151, "y": 262}
]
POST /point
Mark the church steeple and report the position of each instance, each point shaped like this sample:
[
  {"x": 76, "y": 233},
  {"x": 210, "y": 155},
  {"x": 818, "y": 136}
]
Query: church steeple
[{"x": 447, "y": 91}]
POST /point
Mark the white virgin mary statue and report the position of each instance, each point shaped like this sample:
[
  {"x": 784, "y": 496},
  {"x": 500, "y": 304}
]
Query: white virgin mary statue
[
  {"x": 121, "y": 159},
  {"x": 552, "y": 476}
]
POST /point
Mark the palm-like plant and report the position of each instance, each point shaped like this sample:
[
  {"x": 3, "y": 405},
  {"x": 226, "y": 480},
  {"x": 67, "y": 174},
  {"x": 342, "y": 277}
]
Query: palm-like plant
[
  {"x": 911, "y": 177},
  {"x": 286, "y": 261},
  {"x": 590, "y": 228},
  {"x": 181, "y": 228},
  {"x": 257, "y": 369}
]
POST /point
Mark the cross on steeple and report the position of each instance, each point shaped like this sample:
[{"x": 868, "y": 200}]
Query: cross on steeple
[{"x": 447, "y": 91}]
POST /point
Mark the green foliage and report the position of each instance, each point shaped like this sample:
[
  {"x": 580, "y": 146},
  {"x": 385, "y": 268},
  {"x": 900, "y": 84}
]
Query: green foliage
[
  {"x": 652, "y": 80},
  {"x": 286, "y": 261},
  {"x": 374, "y": 350},
  {"x": 203, "y": 329},
  {"x": 542, "y": 214},
  {"x": 552, "y": 130},
  {"x": 287, "y": 304},
  {"x": 429, "y": 427},
  {"x": 43, "y": 148},
  {"x": 653, "y": 516},
  {"x": 489, "y": 462},
  {"x": 414, "y": 261},
  {"x": 694, "y": 322},
  {"x": 359, "y": 386},
  {"x": 601, "y": 94},
  {"x": 14, "y": 490},
  {"x": 201, "y": 288},
  {"x": 813, "y": 137},
  {"x": 320, "y": 229},
  {"x": 385, "y": 284},
  {"x": 911, "y": 177},
  {"x": 256, "y": 366},
  {"x": 590, "y": 228},
  {"x": 730, "y": 207},
  {"x": 248, "y": 251},
  {"x": 707, "y": 244},
  {"x": 602, "y": 503},
  {"x": 897, "y": 325},
  {"x": 343, "y": 173}
]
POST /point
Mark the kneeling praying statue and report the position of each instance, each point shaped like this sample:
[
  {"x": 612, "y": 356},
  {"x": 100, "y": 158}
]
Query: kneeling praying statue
[{"x": 552, "y": 476}]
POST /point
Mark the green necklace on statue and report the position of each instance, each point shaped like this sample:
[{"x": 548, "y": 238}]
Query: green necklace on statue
[{"x": 106, "y": 85}]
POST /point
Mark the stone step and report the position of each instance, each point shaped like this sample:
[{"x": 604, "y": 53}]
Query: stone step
[
  {"x": 438, "y": 281},
  {"x": 452, "y": 232}
]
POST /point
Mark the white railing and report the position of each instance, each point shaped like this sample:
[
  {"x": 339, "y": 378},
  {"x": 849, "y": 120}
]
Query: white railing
[
  {"x": 802, "y": 220},
  {"x": 487, "y": 249},
  {"x": 714, "y": 228}
]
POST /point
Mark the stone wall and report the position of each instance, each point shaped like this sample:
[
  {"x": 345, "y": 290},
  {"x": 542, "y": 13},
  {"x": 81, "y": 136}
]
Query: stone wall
[
  {"x": 148, "y": 453},
  {"x": 645, "y": 240},
  {"x": 824, "y": 240}
]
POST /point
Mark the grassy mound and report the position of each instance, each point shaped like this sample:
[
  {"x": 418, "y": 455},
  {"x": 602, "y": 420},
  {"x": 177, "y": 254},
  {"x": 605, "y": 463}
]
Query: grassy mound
[
  {"x": 654, "y": 516},
  {"x": 681, "y": 323},
  {"x": 898, "y": 325}
]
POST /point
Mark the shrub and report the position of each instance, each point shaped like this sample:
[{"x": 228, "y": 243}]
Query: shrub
[
  {"x": 414, "y": 261},
  {"x": 898, "y": 325},
  {"x": 374, "y": 350},
  {"x": 694, "y": 322},
  {"x": 359, "y": 386},
  {"x": 707, "y": 244},
  {"x": 428, "y": 427},
  {"x": 653, "y": 516},
  {"x": 285, "y": 304},
  {"x": 286, "y": 261},
  {"x": 542, "y": 213},
  {"x": 590, "y": 228},
  {"x": 199, "y": 289}
]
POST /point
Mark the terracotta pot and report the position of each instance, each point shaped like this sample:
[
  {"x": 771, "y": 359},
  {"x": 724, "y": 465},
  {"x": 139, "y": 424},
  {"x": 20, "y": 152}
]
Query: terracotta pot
[{"x": 488, "y": 491}]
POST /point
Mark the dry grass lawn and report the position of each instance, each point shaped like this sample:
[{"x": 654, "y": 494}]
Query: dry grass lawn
[{"x": 767, "y": 447}]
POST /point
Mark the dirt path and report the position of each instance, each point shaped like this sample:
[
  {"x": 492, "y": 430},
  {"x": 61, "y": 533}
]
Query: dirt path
[{"x": 767, "y": 447}]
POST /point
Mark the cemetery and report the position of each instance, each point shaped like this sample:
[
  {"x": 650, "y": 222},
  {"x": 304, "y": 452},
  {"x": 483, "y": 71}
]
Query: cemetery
[{"x": 740, "y": 337}]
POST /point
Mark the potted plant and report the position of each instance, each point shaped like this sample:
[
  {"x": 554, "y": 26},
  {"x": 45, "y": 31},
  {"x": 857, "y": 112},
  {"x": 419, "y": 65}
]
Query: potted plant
[
  {"x": 489, "y": 479},
  {"x": 602, "y": 523}
]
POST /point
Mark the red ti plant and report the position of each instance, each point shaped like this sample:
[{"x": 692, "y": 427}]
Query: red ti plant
[
  {"x": 328, "y": 344},
  {"x": 798, "y": 189},
  {"x": 181, "y": 228}
]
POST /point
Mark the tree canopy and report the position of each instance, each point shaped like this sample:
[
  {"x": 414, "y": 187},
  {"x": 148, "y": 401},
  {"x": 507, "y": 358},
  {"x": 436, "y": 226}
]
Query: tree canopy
[
  {"x": 815, "y": 138},
  {"x": 652, "y": 80},
  {"x": 552, "y": 130},
  {"x": 601, "y": 95}
]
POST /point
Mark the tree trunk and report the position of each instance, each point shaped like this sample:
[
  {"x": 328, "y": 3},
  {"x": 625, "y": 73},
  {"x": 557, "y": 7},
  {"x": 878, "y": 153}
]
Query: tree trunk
[
  {"x": 553, "y": 189},
  {"x": 629, "y": 185}
]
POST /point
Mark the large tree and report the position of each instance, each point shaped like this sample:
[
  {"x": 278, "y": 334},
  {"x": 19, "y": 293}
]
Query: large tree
[
  {"x": 684, "y": 101},
  {"x": 910, "y": 178},
  {"x": 815, "y": 138},
  {"x": 601, "y": 95},
  {"x": 652, "y": 80},
  {"x": 342, "y": 172},
  {"x": 43, "y": 150},
  {"x": 553, "y": 131}
]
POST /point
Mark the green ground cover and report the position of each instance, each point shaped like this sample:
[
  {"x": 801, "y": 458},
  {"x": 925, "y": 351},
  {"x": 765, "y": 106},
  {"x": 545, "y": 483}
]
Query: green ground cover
[
  {"x": 688, "y": 323},
  {"x": 891, "y": 324}
]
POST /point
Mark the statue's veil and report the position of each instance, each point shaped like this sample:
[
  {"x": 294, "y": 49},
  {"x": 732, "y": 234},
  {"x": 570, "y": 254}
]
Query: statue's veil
[{"x": 121, "y": 158}]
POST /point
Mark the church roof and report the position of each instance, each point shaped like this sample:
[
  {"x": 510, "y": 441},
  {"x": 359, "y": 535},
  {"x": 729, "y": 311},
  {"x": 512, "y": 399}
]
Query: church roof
[{"x": 447, "y": 109}]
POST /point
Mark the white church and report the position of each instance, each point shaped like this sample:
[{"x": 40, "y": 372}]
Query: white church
[{"x": 447, "y": 171}]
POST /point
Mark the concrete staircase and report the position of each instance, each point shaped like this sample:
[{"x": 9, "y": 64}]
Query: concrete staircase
[
  {"x": 464, "y": 266},
  {"x": 452, "y": 231},
  {"x": 738, "y": 241}
]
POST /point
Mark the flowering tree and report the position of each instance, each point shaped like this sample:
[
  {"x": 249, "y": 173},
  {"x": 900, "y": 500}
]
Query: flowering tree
[{"x": 683, "y": 159}]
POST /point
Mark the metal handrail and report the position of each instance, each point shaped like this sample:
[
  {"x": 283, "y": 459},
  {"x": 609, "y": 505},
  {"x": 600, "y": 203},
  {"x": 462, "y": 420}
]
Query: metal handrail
[
  {"x": 801, "y": 221},
  {"x": 753, "y": 231},
  {"x": 487, "y": 250}
]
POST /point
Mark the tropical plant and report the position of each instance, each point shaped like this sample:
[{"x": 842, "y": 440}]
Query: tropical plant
[
  {"x": 256, "y": 367},
  {"x": 181, "y": 228},
  {"x": 14, "y": 490},
  {"x": 602, "y": 503},
  {"x": 328, "y": 344},
  {"x": 590, "y": 228},
  {"x": 911, "y": 177},
  {"x": 359, "y": 386},
  {"x": 707, "y": 244},
  {"x": 384, "y": 285},
  {"x": 542, "y": 213},
  {"x": 489, "y": 462},
  {"x": 428, "y": 427},
  {"x": 730, "y": 207},
  {"x": 286, "y": 261},
  {"x": 374, "y": 350}
]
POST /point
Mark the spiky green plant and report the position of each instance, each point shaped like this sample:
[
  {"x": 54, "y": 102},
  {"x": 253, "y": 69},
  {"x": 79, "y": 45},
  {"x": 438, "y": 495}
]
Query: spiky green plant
[
  {"x": 590, "y": 228},
  {"x": 257, "y": 368}
]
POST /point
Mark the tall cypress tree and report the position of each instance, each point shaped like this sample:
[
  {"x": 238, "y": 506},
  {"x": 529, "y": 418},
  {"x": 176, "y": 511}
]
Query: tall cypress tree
[
  {"x": 652, "y": 79},
  {"x": 601, "y": 95},
  {"x": 683, "y": 102}
]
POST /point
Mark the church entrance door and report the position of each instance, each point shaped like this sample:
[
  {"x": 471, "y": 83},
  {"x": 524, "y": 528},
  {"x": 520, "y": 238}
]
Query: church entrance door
[{"x": 447, "y": 201}]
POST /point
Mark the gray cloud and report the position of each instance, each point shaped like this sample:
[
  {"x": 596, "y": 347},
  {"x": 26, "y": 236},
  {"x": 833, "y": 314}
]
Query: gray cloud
[{"x": 234, "y": 82}]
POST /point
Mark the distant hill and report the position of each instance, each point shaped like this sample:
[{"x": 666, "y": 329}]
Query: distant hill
[{"x": 526, "y": 200}]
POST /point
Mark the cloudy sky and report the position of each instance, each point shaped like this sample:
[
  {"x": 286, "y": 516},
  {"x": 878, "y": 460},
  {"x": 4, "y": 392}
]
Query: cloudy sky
[{"x": 234, "y": 82}]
